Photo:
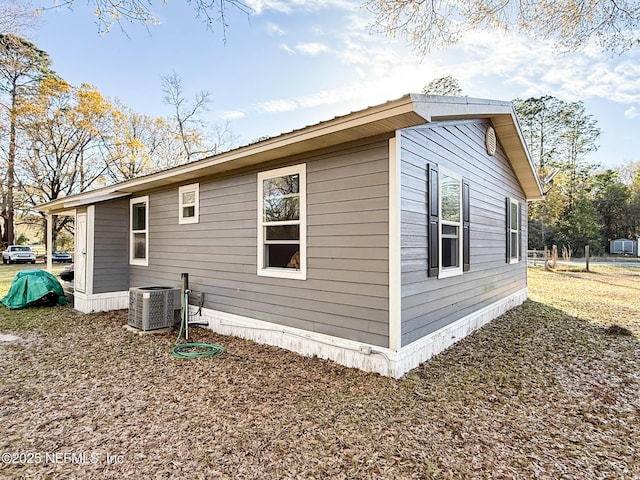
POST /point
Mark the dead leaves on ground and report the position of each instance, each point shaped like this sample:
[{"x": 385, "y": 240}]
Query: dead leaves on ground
[{"x": 537, "y": 393}]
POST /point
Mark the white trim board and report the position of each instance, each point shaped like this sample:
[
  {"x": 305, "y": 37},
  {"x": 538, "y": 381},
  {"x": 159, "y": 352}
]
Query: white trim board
[
  {"x": 395, "y": 232},
  {"x": 370, "y": 358}
]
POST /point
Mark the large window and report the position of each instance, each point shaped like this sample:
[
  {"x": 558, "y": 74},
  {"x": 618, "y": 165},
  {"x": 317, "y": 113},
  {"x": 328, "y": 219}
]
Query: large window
[
  {"x": 282, "y": 223},
  {"x": 139, "y": 227},
  {"x": 450, "y": 224},
  {"x": 188, "y": 203},
  {"x": 449, "y": 211}
]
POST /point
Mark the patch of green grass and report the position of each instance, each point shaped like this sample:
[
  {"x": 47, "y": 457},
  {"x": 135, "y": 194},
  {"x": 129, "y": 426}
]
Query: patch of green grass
[
  {"x": 31, "y": 318},
  {"x": 7, "y": 272},
  {"x": 605, "y": 295}
]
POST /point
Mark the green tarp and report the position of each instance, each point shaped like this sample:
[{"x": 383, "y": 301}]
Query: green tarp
[{"x": 30, "y": 287}]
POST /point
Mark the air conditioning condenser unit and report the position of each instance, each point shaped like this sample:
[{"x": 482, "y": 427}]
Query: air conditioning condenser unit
[{"x": 155, "y": 307}]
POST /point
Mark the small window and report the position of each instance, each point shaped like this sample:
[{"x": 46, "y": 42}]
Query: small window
[
  {"x": 188, "y": 203},
  {"x": 450, "y": 193},
  {"x": 282, "y": 223},
  {"x": 513, "y": 231},
  {"x": 139, "y": 222}
]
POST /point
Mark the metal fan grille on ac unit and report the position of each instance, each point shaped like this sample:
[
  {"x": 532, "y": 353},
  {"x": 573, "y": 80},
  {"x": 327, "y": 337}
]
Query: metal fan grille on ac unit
[{"x": 151, "y": 308}]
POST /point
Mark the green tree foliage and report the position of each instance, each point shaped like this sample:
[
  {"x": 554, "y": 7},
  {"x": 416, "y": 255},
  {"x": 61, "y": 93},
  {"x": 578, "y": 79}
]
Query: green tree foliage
[
  {"x": 612, "y": 201},
  {"x": 584, "y": 205},
  {"x": 579, "y": 228},
  {"x": 560, "y": 135},
  {"x": 541, "y": 124}
]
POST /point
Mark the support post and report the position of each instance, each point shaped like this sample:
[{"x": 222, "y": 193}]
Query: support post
[
  {"x": 49, "y": 251},
  {"x": 586, "y": 256}
]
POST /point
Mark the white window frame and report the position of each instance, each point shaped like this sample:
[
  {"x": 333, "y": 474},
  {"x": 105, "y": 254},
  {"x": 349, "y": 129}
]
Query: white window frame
[
  {"x": 297, "y": 274},
  {"x": 139, "y": 261},
  {"x": 195, "y": 188},
  {"x": 514, "y": 258},
  {"x": 445, "y": 272}
]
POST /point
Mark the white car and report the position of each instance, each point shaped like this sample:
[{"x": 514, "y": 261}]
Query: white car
[{"x": 18, "y": 254}]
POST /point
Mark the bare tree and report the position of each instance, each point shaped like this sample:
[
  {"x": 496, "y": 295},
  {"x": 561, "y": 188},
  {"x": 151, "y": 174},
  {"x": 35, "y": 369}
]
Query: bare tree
[
  {"x": 63, "y": 126},
  {"x": 17, "y": 16},
  {"x": 109, "y": 13},
  {"x": 139, "y": 144},
  {"x": 223, "y": 137},
  {"x": 22, "y": 66},
  {"x": 188, "y": 116},
  {"x": 568, "y": 23}
]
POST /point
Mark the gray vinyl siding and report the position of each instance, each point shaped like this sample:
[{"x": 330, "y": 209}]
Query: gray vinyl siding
[
  {"x": 430, "y": 303},
  {"x": 346, "y": 291},
  {"x": 111, "y": 246}
]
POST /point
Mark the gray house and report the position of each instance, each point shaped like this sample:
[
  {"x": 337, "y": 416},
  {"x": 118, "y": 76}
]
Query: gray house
[{"x": 376, "y": 239}]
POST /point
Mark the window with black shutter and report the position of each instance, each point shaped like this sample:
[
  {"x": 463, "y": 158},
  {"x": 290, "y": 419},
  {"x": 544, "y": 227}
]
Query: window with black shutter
[{"x": 449, "y": 223}]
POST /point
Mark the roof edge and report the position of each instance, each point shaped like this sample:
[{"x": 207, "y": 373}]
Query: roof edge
[{"x": 407, "y": 111}]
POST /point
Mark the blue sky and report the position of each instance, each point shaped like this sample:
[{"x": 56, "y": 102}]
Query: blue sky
[{"x": 294, "y": 62}]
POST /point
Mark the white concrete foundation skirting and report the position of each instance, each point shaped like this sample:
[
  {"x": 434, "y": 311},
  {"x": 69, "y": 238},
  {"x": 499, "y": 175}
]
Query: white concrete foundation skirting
[
  {"x": 100, "y": 302},
  {"x": 353, "y": 354}
]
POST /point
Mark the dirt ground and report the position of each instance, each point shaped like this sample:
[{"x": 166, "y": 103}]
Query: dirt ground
[{"x": 542, "y": 392}]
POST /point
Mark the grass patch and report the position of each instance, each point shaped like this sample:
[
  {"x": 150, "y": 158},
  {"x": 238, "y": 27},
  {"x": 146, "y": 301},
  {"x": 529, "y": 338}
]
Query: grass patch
[{"x": 605, "y": 296}]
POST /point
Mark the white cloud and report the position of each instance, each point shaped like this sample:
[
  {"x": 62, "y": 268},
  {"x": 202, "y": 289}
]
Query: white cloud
[
  {"x": 286, "y": 48},
  {"x": 631, "y": 113},
  {"x": 311, "y": 48},
  {"x": 291, "y": 6},
  {"x": 231, "y": 114},
  {"x": 259, "y": 6},
  {"x": 274, "y": 30},
  {"x": 370, "y": 70},
  {"x": 277, "y": 106}
]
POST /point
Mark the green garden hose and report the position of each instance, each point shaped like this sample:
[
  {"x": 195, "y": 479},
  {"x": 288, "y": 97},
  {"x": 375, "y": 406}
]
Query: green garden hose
[
  {"x": 202, "y": 350},
  {"x": 194, "y": 349}
]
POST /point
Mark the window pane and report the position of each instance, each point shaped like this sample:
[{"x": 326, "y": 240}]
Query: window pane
[
  {"x": 283, "y": 232},
  {"x": 281, "y": 186},
  {"x": 514, "y": 216},
  {"x": 514, "y": 244},
  {"x": 278, "y": 209},
  {"x": 282, "y": 256},
  {"x": 281, "y": 198},
  {"x": 450, "y": 252},
  {"x": 188, "y": 212},
  {"x": 138, "y": 217},
  {"x": 450, "y": 195},
  {"x": 140, "y": 245},
  {"x": 449, "y": 231},
  {"x": 188, "y": 197}
]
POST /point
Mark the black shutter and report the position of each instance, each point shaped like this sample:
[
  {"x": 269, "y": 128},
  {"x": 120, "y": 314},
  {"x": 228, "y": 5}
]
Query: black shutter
[
  {"x": 508, "y": 229},
  {"x": 520, "y": 232},
  {"x": 434, "y": 222},
  {"x": 466, "y": 207}
]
